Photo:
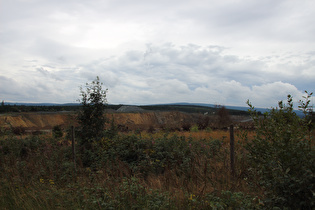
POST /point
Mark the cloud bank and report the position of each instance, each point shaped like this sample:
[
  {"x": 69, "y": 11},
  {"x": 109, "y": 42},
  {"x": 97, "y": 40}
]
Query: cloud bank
[{"x": 158, "y": 52}]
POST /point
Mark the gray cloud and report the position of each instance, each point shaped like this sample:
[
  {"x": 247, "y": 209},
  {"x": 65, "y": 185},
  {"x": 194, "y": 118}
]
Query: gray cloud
[
  {"x": 157, "y": 52},
  {"x": 171, "y": 73},
  {"x": 48, "y": 74}
]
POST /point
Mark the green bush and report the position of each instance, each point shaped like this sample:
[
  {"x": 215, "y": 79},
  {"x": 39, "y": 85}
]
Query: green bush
[
  {"x": 147, "y": 156},
  {"x": 194, "y": 128},
  {"x": 91, "y": 118},
  {"x": 230, "y": 200},
  {"x": 283, "y": 157},
  {"x": 20, "y": 148},
  {"x": 57, "y": 131},
  {"x": 126, "y": 171}
]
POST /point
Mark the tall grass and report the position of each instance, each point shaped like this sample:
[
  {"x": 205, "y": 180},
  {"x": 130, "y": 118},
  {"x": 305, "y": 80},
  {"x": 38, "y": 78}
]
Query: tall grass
[{"x": 180, "y": 170}]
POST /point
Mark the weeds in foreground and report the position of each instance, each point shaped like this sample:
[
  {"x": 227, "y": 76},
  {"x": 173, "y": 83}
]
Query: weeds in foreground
[{"x": 128, "y": 172}]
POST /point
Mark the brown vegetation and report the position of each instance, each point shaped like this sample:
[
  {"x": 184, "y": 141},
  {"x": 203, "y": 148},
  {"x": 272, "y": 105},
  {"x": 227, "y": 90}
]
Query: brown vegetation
[{"x": 152, "y": 121}]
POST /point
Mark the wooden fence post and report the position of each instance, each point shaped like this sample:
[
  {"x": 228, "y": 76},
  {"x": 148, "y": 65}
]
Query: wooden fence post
[
  {"x": 73, "y": 147},
  {"x": 232, "y": 151}
]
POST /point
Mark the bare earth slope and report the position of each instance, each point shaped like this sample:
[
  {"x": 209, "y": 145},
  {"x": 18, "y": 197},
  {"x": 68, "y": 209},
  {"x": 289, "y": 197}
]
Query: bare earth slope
[
  {"x": 129, "y": 121},
  {"x": 35, "y": 120}
]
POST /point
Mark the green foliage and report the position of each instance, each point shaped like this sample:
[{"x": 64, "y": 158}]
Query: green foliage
[
  {"x": 57, "y": 131},
  {"x": 112, "y": 131},
  {"x": 283, "y": 157},
  {"x": 308, "y": 110},
  {"x": 229, "y": 200},
  {"x": 91, "y": 117},
  {"x": 194, "y": 128},
  {"x": 305, "y": 104},
  {"x": 44, "y": 178},
  {"x": 156, "y": 155},
  {"x": 38, "y": 173},
  {"x": 135, "y": 196},
  {"x": 19, "y": 148}
]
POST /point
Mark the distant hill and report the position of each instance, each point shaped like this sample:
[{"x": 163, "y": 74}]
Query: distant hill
[
  {"x": 190, "y": 108},
  {"x": 232, "y": 109},
  {"x": 183, "y": 107},
  {"x": 214, "y": 106}
]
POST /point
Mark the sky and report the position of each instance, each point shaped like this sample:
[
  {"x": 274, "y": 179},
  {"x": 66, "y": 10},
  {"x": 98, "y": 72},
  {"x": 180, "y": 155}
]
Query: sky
[{"x": 151, "y": 52}]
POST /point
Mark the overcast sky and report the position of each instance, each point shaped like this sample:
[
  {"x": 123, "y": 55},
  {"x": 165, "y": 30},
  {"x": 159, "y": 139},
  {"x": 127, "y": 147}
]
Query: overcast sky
[{"x": 158, "y": 51}]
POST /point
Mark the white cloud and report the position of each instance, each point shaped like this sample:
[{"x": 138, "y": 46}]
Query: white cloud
[
  {"x": 169, "y": 73},
  {"x": 270, "y": 94},
  {"x": 146, "y": 52}
]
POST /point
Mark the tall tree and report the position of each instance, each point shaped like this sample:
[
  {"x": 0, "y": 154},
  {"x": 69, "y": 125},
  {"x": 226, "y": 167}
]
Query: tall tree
[
  {"x": 223, "y": 116},
  {"x": 91, "y": 116}
]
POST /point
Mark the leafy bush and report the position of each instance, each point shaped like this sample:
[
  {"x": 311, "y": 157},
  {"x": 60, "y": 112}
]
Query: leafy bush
[
  {"x": 18, "y": 130},
  {"x": 186, "y": 125},
  {"x": 91, "y": 118},
  {"x": 154, "y": 156},
  {"x": 230, "y": 200},
  {"x": 57, "y": 131},
  {"x": 203, "y": 122},
  {"x": 20, "y": 148},
  {"x": 194, "y": 128},
  {"x": 283, "y": 157}
]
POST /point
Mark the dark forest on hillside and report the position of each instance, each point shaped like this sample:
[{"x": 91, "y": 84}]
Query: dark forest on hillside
[{"x": 6, "y": 108}]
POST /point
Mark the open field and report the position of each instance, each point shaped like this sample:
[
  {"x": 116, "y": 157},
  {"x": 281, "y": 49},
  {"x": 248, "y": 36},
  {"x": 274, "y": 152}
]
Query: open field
[{"x": 146, "y": 161}]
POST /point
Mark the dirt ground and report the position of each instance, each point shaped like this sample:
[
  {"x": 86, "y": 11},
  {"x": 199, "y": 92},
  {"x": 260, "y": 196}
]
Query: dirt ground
[{"x": 124, "y": 121}]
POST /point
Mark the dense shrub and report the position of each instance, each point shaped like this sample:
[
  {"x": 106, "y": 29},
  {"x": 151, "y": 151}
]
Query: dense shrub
[
  {"x": 186, "y": 125},
  {"x": 203, "y": 122},
  {"x": 283, "y": 157},
  {"x": 18, "y": 130},
  {"x": 91, "y": 118},
  {"x": 223, "y": 117},
  {"x": 20, "y": 148},
  {"x": 57, "y": 131},
  {"x": 144, "y": 171},
  {"x": 155, "y": 155},
  {"x": 194, "y": 128}
]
